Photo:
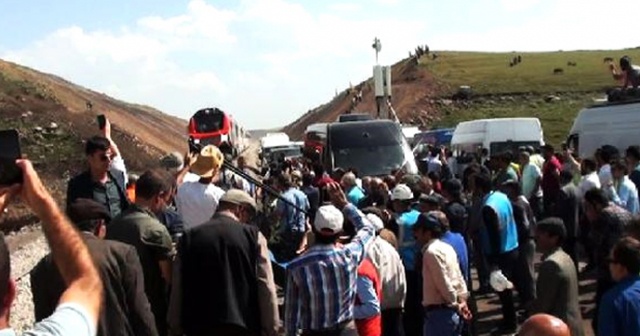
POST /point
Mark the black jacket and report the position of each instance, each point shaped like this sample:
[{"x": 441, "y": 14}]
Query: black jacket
[
  {"x": 125, "y": 308},
  {"x": 81, "y": 186}
]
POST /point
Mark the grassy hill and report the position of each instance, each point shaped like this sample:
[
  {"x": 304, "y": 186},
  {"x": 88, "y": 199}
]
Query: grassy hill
[
  {"x": 422, "y": 89},
  {"x": 30, "y": 101}
]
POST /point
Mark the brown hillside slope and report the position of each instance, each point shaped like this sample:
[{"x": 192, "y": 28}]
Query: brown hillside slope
[
  {"x": 412, "y": 87},
  {"x": 30, "y": 101}
]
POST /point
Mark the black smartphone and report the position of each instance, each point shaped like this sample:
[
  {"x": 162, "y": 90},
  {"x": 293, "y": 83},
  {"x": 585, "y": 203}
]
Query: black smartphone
[
  {"x": 10, "y": 173},
  {"x": 102, "y": 121}
]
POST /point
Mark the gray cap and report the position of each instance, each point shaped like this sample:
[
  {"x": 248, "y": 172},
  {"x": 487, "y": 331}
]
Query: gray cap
[
  {"x": 172, "y": 161},
  {"x": 239, "y": 197}
]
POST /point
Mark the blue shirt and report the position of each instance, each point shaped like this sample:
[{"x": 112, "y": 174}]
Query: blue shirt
[
  {"x": 507, "y": 229},
  {"x": 355, "y": 195},
  {"x": 619, "y": 313},
  {"x": 460, "y": 246},
  {"x": 291, "y": 218},
  {"x": 369, "y": 304},
  {"x": 69, "y": 319},
  {"x": 408, "y": 248},
  {"x": 321, "y": 284},
  {"x": 626, "y": 196}
]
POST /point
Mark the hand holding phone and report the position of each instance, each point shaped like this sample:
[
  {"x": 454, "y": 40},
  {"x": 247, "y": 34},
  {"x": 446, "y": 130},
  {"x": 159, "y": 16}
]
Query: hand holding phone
[{"x": 10, "y": 173}]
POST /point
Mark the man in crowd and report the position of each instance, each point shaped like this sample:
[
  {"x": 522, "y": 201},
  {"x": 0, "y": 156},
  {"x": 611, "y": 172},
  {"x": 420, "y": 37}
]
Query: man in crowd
[
  {"x": 138, "y": 226},
  {"x": 78, "y": 310},
  {"x": 625, "y": 193},
  {"x": 531, "y": 178},
  {"x": 607, "y": 226},
  {"x": 567, "y": 209},
  {"x": 386, "y": 260},
  {"x": 292, "y": 220},
  {"x": 351, "y": 188},
  {"x": 312, "y": 193},
  {"x": 404, "y": 219},
  {"x": 632, "y": 156},
  {"x": 444, "y": 294},
  {"x": 630, "y": 73},
  {"x": 309, "y": 276},
  {"x": 197, "y": 200},
  {"x": 125, "y": 310},
  {"x": 506, "y": 172},
  {"x": 544, "y": 325},
  {"x": 619, "y": 313},
  {"x": 499, "y": 242},
  {"x": 550, "y": 179},
  {"x": 589, "y": 180},
  {"x": 557, "y": 277},
  {"x": 100, "y": 182},
  {"x": 224, "y": 253}
]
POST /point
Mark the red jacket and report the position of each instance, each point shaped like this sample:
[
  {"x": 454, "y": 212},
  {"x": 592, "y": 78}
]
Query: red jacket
[{"x": 371, "y": 326}]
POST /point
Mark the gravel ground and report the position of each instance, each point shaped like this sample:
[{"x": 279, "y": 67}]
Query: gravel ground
[{"x": 23, "y": 258}]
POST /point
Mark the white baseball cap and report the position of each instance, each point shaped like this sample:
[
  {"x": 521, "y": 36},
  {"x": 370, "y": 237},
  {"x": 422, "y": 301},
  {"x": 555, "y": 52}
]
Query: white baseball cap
[
  {"x": 401, "y": 192},
  {"x": 328, "y": 220},
  {"x": 376, "y": 221}
]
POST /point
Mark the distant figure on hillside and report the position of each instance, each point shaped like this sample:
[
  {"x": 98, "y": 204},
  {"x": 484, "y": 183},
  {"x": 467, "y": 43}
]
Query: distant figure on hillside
[
  {"x": 630, "y": 73},
  {"x": 89, "y": 105}
]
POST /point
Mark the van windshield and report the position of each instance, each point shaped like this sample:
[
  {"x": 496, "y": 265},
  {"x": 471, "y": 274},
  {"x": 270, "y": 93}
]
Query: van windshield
[
  {"x": 512, "y": 146},
  {"x": 370, "y": 161}
]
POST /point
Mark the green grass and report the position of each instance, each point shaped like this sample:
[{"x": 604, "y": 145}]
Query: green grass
[
  {"x": 490, "y": 72},
  {"x": 527, "y": 84}
]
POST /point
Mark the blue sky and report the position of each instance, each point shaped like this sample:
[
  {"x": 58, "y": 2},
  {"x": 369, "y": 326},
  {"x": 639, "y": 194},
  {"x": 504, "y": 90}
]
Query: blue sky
[{"x": 269, "y": 61}]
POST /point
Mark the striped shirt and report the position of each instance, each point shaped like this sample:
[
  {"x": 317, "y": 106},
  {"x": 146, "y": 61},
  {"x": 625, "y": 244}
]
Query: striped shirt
[{"x": 321, "y": 285}]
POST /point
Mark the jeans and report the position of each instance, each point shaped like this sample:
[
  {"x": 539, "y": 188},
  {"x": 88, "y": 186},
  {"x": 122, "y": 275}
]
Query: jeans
[
  {"x": 392, "y": 322},
  {"x": 442, "y": 322},
  {"x": 524, "y": 280}
]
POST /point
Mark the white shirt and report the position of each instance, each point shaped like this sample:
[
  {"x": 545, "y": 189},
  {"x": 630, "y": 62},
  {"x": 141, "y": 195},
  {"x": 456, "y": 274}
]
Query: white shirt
[
  {"x": 605, "y": 176},
  {"x": 442, "y": 279},
  {"x": 434, "y": 165},
  {"x": 387, "y": 262},
  {"x": 190, "y": 177},
  {"x": 537, "y": 160},
  {"x": 197, "y": 202},
  {"x": 117, "y": 163},
  {"x": 587, "y": 183},
  {"x": 530, "y": 174}
]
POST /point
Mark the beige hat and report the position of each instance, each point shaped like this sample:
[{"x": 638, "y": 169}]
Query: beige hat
[
  {"x": 237, "y": 196},
  {"x": 208, "y": 162},
  {"x": 329, "y": 220}
]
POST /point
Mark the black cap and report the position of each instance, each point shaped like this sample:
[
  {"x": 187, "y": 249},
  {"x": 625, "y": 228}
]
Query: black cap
[
  {"x": 431, "y": 199},
  {"x": 84, "y": 209},
  {"x": 552, "y": 225},
  {"x": 428, "y": 221},
  {"x": 453, "y": 186}
]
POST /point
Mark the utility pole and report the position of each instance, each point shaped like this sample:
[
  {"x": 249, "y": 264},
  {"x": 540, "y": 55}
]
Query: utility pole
[{"x": 382, "y": 83}]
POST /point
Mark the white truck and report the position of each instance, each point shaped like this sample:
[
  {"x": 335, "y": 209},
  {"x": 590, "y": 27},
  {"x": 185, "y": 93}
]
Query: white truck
[
  {"x": 616, "y": 124},
  {"x": 497, "y": 135},
  {"x": 270, "y": 142}
]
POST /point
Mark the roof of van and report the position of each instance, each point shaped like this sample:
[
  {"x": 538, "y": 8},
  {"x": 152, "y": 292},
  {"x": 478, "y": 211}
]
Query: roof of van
[
  {"x": 627, "y": 114},
  {"x": 515, "y": 129}
]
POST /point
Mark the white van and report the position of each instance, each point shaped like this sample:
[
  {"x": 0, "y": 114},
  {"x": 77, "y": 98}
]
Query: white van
[
  {"x": 616, "y": 124},
  {"x": 497, "y": 135}
]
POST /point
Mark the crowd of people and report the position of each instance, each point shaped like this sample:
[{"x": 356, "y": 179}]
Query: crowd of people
[{"x": 192, "y": 248}]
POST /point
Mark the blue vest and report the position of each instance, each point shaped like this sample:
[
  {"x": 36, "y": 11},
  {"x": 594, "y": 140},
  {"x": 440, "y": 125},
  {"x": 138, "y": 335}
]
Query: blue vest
[
  {"x": 508, "y": 231},
  {"x": 408, "y": 248}
]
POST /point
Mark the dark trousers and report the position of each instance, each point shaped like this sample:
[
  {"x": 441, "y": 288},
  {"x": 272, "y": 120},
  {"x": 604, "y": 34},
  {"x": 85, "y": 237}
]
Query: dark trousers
[
  {"x": 536, "y": 206},
  {"x": 343, "y": 329},
  {"x": 525, "y": 272},
  {"x": 549, "y": 201},
  {"x": 602, "y": 286},
  {"x": 227, "y": 330},
  {"x": 570, "y": 245},
  {"x": 413, "y": 318},
  {"x": 507, "y": 262},
  {"x": 480, "y": 260},
  {"x": 392, "y": 322}
]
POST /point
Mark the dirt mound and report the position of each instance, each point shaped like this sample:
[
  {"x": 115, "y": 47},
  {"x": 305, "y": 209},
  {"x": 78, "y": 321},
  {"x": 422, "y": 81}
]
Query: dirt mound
[
  {"x": 413, "y": 88},
  {"x": 53, "y": 119}
]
